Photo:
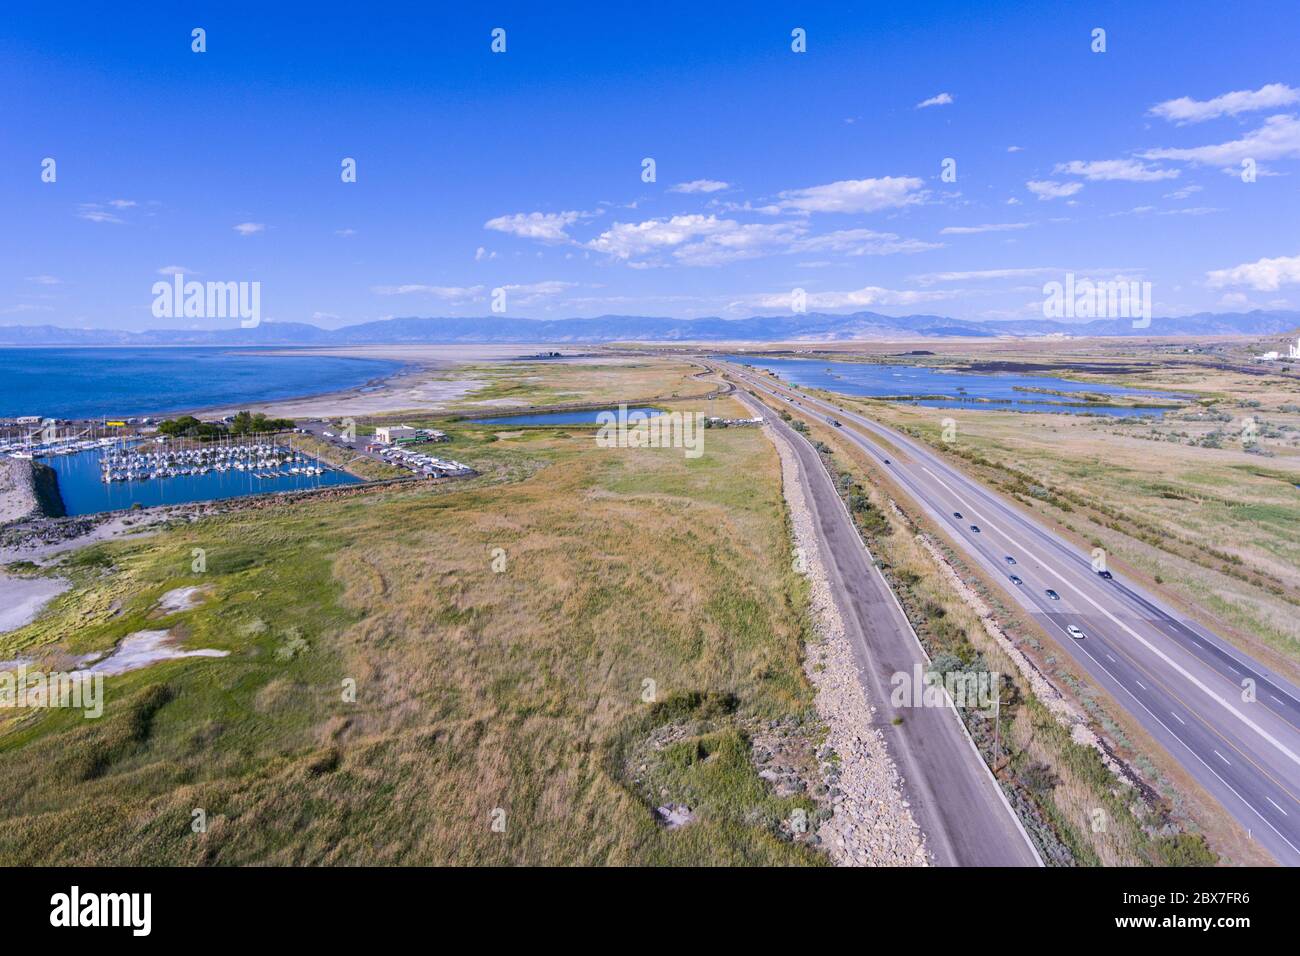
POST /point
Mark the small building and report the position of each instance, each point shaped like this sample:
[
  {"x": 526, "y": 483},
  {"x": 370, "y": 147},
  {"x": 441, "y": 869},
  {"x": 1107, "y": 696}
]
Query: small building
[{"x": 388, "y": 434}]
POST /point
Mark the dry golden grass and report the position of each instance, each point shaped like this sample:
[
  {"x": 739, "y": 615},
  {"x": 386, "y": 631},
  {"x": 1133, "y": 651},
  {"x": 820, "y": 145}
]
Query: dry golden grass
[{"x": 476, "y": 689}]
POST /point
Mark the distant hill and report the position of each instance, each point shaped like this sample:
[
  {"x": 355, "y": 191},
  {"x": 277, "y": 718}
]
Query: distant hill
[{"x": 811, "y": 327}]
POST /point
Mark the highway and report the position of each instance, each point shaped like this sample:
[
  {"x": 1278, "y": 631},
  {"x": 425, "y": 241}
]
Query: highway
[
  {"x": 1185, "y": 685},
  {"x": 953, "y": 796}
]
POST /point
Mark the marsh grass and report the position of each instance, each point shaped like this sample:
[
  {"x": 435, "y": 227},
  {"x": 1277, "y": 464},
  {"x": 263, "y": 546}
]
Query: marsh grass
[{"x": 476, "y": 691}]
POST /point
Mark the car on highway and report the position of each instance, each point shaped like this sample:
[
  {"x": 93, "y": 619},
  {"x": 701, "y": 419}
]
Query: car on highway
[
  {"x": 1010, "y": 559},
  {"x": 1053, "y": 595},
  {"x": 1106, "y": 574},
  {"x": 1075, "y": 633},
  {"x": 886, "y": 461},
  {"x": 975, "y": 528},
  {"x": 957, "y": 515},
  {"x": 835, "y": 423},
  {"x": 1016, "y": 580}
]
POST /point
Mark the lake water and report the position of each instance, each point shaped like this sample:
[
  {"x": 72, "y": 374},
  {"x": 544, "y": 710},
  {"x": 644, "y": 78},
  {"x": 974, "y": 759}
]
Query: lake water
[
  {"x": 999, "y": 390},
  {"x": 85, "y": 493},
  {"x": 127, "y": 382},
  {"x": 585, "y": 417}
]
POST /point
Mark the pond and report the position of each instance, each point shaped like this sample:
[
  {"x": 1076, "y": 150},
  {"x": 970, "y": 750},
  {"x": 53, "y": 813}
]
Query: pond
[{"x": 942, "y": 388}]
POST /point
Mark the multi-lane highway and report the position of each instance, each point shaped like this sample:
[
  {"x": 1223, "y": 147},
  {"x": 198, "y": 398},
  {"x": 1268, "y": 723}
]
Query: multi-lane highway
[
  {"x": 1231, "y": 723},
  {"x": 953, "y": 796}
]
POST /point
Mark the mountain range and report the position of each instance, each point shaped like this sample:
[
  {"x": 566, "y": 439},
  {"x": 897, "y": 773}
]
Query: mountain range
[{"x": 812, "y": 326}]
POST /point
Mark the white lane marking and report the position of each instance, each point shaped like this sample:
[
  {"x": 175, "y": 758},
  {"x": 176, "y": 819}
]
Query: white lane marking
[
  {"x": 1179, "y": 719},
  {"x": 922, "y": 454},
  {"x": 1201, "y": 760},
  {"x": 1198, "y": 757},
  {"x": 1111, "y": 659},
  {"x": 1182, "y": 671},
  {"x": 1223, "y": 758},
  {"x": 1272, "y": 801},
  {"x": 1139, "y": 683}
]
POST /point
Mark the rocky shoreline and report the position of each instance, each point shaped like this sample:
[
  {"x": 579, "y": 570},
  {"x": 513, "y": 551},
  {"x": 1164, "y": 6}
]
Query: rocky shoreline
[{"x": 871, "y": 822}]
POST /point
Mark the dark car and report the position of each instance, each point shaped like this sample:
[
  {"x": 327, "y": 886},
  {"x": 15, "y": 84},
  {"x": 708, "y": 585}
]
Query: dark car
[
  {"x": 886, "y": 461},
  {"x": 975, "y": 528},
  {"x": 1015, "y": 580},
  {"x": 1106, "y": 574},
  {"x": 957, "y": 515},
  {"x": 1053, "y": 595},
  {"x": 1010, "y": 559}
]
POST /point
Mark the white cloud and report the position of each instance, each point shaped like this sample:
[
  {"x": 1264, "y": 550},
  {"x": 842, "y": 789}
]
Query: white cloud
[
  {"x": 856, "y": 298},
  {"x": 1278, "y": 138},
  {"x": 94, "y": 212},
  {"x": 1187, "y": 110},
  {"x": 940, "y": 99},
  {"x": 988, "y": 227},
  {"x": 542, "y": 226},
  {"x": 481, "y": 253},
  {"x": 176, "y": 271},
  {"x": 862, "y": 242},
  {"x": 249, "y": 228},
  {"x": 1266, "y": 275},
  {"x": 45, "y": 280},
  {"x": 345, "y": 233},
  {"x": 1047, "y": 189},
  {"x": 699, "y": 186},
  {"x": 534, "y": 292},
  {"x": 854, "y": 195},
  {"x": 121, "y": 203},
  {"x": 1127, "y": 170},
  {"x": 930, "y": 278},
  {"x": 1015, "y": 149},
  {"x": 447, "y": 293},
  {"x": 1184, "y": 192},
  {"x": 696, "y": 240}
]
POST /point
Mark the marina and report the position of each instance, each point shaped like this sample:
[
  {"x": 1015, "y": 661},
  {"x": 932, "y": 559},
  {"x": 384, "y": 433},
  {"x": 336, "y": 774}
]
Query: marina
[
  {"x": 106, "y": 473},
  {"x": 259, "y": 459}
]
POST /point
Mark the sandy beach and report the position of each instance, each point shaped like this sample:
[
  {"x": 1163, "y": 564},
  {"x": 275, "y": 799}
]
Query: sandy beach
[{"x": 428, "y": 381}]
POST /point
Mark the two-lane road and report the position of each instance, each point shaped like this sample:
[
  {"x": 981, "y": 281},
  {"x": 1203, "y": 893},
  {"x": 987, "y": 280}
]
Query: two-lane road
[
  {"x": 953, "y": 796},
  {"x": 1232, "y": 724}
]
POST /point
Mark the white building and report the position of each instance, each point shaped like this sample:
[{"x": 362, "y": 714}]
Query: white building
[
  {"x": 387, "y": 434},
  {"x": 1293, "y": 350}
]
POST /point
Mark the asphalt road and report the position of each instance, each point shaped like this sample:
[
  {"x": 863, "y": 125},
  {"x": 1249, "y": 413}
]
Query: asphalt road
[
  {"x": 1184, "y": 684},
  {"x": 952, "y": 793}
]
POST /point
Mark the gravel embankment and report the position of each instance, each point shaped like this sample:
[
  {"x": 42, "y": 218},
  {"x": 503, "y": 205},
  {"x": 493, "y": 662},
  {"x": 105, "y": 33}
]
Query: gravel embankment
[{"x": 871, "y": 823}]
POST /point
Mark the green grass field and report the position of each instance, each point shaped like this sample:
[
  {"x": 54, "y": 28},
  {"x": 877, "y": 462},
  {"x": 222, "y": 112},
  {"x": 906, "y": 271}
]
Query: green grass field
[{"x": 477, "y": 691}]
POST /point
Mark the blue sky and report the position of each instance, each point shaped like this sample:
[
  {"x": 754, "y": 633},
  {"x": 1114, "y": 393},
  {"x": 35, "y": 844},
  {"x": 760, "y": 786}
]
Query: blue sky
[{"x": 775, "y": 170}]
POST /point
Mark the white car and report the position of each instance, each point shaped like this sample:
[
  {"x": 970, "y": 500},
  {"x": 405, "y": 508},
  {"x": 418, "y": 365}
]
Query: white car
[{"x": 1075, "y": 633}]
